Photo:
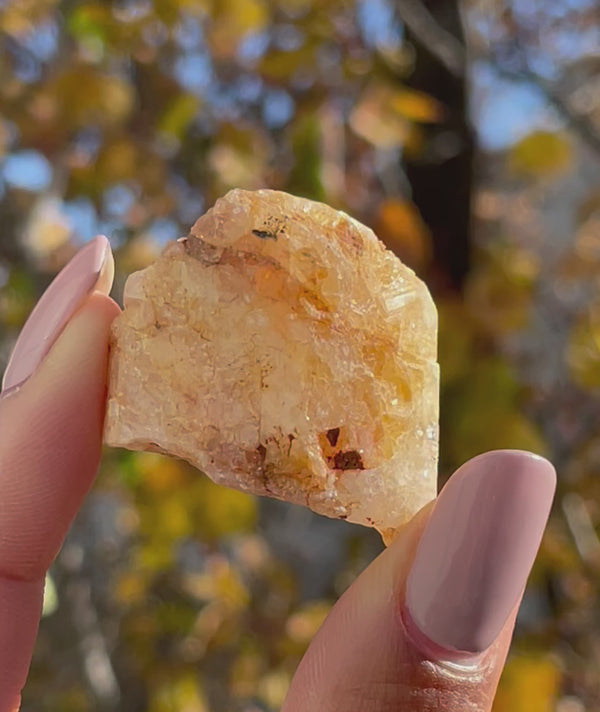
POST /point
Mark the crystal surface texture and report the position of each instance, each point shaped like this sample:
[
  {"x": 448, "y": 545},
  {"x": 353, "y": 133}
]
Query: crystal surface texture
[{"x": 283, "y": 350}]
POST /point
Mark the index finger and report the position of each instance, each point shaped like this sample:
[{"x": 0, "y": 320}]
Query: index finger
[{"x": 50, "y": 444}]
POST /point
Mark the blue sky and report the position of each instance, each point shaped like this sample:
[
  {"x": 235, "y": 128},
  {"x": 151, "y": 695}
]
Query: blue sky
[{"x": 504, "y": 111}]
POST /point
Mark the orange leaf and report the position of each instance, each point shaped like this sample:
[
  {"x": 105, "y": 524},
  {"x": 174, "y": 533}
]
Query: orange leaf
[
  {"x": 416, "y": 106},
  {"x": 400, "y": 226},
  {"x": 528, "y": 684}
]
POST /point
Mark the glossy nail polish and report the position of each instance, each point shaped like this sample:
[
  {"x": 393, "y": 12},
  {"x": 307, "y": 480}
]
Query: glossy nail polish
[
  {"x": 90, "y": 268},
  {"x": 478, "y": 548}
]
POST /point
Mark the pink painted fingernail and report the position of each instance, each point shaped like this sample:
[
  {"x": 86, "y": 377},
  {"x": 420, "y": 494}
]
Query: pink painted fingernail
[
  {"x": 478, "y": 548},
  {"x": 85, "y": 272}
]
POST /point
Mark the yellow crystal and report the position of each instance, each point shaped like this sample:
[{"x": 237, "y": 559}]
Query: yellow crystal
[{"x": 283, "y": 351}]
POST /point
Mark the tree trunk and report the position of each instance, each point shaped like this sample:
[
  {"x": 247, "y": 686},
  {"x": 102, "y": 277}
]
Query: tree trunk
[{"x": 441, "y": 177}]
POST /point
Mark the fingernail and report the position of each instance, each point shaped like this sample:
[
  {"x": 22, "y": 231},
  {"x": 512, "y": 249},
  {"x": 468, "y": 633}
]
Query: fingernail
[
  {"x": 91, "y": 268},
  {"x": 477, "y": 550}
]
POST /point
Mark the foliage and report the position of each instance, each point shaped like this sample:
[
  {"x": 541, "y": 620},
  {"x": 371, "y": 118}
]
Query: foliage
[{"x": 130, "y": 117}]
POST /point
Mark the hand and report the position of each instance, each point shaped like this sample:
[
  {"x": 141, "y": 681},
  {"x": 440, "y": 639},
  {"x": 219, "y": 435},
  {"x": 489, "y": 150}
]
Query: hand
[{"x": 426, "y": 627}]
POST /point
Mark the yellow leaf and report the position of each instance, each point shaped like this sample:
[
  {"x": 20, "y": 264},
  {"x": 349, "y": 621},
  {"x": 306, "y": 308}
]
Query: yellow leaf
[
  {"x": 375, "y": 120},
  {"x": 170, "y": 11},
  {"x": 233, "y": 167},
  {"x": 557, "y": 552},
  {"x": 136, "y": 254},
  {"x": 280, "y": 65},
  {"x": 18, "y": 17},
  {"x": 273, "y": 688},
  {"x": 195, "y": 7},
  {"x": 220, "y": 583},
  {"x": 158, "y": 473},
  {"x": 231, "y": 21},
  {"x": 416, "y": 106},
  {"x": 118, "y": 161},
  {"x": 296, "y": 7},
  {"x": 92, "y": 97},
  {"x": 528, "y": 684},
  {"x": 220, "y": 511},
  {"x": 229, "y": 588},
  {"x": 178, "y": 115},
  {"x": 246, "y": 671},
  {"x": 499, "y": 293},
  {"x": 384, "y": 115},
  {"x": 174, "y": 520},
  {"x": 583, "y": 350},
  {"x": 238, "y": 157},
  {"x": 115, "y": 99},
  {"x": 250, "y": 15},
  {"x": 154, "y": 555},
  {"x": 181, "y": 694},
  {"x": 302, "y": 625},
  {"x": 540, "y": 154},
  {"x": 131, "y": 587}
]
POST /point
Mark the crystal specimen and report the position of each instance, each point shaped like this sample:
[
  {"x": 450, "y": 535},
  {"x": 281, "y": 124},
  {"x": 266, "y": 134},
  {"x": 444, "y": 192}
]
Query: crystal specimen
[{"x": 283, "y": 351}]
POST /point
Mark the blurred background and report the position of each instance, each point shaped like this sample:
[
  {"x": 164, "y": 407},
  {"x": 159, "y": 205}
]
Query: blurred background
[{"x": 468, "y": 136}]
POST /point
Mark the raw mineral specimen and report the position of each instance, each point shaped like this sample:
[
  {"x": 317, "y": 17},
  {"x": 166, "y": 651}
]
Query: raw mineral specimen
[{"x": 282, "y": 350}]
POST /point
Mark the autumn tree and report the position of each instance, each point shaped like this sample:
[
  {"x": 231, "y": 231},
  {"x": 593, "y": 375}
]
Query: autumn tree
[{"x": 467, "y": 136}]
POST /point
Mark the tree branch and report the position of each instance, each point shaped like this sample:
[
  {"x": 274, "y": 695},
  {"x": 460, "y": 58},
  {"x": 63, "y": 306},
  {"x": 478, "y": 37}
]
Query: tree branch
[
  {"x": 443, "y": 45},
  {"x": 452, "y": 54},
  {"x": 584, "y": 128}
]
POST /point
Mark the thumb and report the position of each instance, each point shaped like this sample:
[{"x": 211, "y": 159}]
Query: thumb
[{"x": 427, "y": 626}]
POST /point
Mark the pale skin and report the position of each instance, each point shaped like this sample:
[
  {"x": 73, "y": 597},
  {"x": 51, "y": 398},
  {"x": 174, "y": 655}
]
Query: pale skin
[{"x": 361, "y": 660}]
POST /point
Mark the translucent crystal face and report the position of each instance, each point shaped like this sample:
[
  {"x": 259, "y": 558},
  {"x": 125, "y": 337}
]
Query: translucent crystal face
[{"x": 282, "y": 350}]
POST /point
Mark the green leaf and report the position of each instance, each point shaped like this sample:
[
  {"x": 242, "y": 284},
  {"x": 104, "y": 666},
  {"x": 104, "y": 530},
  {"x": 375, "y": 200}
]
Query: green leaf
[
  {"x": 305, "y": 176},
  {"x": 89, "y": 21}
]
